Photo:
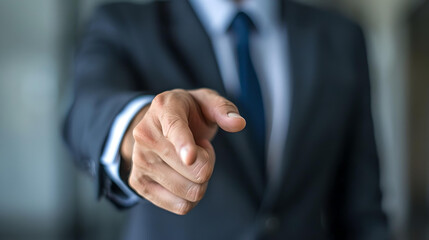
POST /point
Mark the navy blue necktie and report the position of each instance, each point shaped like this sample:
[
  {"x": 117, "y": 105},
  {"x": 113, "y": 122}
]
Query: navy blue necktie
[{"x": 250, "y": 99}]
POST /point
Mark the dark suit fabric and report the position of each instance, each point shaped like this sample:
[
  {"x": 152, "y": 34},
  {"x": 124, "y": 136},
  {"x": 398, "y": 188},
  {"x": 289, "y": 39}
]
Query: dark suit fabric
[{"x": 329, "y": 187}]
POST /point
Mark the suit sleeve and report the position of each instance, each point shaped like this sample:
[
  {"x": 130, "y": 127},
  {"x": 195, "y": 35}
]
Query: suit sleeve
[
  {"x": 111, "y": 157},
  {"x": 355, "y": 206},
  {"x": 104, "y": 82}
]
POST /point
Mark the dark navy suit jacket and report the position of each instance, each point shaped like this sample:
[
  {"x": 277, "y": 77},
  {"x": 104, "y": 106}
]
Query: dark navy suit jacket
[{"x": 329, "y": 187}]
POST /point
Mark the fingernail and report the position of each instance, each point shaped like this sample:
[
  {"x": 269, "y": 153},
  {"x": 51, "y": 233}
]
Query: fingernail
[
  {"x": 184, "y": 153},
  {"x": 234, "y": 115}
]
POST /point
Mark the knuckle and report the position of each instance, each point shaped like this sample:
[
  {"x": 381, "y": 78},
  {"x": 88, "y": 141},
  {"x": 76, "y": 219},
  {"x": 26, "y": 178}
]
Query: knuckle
[
  {"x": 203, "y": 170},
  {"x": 146, "y": 165},
  {"x": 141, "y": 185},
  {"x": 183, "y": 208},
  {"x": 167, "y": 97},
  {"x": 173, "y": 123},
  {"x": 168, "y": 153},
  {"x": 195, "y": 192},
  {"x": 145, "y": 189},
  {"x": 157, "y": 102},
  {"x": 208, "y": 91},
  {"x": 137, "y": 134},
  {"x": 160, "y": 99},
  {"x": 224, "y": 103},
  {"x": 178, "y": 91},
  {"x": 133, "y": 181},
  {"x": 145, "y": 162},
  {"x": 144, "y": 136}
]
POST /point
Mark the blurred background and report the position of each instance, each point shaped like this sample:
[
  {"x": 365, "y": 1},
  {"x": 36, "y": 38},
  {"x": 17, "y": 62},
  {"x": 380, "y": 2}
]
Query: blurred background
[{"x": 43, "y": 196}]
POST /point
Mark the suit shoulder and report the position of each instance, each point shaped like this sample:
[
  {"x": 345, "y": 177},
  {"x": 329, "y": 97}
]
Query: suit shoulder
[
  {"x": 126, "y": 12},
  {"x": 324, "y": 18},
  {"x": 119, "y": 8}
]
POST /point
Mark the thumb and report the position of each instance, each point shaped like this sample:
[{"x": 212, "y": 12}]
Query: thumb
[{"x": 219, "y": 110}]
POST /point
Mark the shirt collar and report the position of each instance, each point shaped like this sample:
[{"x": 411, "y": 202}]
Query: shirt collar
[{"x": 217, "y": 15}]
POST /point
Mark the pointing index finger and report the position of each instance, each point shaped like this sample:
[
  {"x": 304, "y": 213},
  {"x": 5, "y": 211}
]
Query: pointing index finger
[{"x": 173, "y": 120}]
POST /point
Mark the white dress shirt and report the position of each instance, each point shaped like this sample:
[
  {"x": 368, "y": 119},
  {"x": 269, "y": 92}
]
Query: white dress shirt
[{"x": 269, "y": 50}]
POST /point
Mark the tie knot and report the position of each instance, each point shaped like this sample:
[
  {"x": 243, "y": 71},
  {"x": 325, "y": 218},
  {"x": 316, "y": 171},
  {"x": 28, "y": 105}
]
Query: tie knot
[{"x": 242, "y": 22}]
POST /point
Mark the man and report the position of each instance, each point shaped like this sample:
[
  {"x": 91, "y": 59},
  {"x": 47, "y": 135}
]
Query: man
[{"x": 153, "y": 82}]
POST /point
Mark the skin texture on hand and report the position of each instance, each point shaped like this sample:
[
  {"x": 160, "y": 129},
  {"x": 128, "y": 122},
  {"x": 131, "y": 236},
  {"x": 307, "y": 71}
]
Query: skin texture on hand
[{"x": 167, "y": 155}]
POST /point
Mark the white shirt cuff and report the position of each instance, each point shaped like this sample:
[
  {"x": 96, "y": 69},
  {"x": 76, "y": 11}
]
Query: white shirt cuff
[{"x": 111, "y": 157}]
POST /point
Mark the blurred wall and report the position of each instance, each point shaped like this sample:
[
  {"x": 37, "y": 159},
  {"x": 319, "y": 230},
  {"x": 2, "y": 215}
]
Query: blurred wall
[
  {"x": 43, "y": 196},
  {"x": 418, "y": 119},
  {"x": 29, "y": 143}
]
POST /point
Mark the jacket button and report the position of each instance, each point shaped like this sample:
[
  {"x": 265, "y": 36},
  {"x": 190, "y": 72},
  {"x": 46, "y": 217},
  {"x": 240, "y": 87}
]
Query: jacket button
[{"x": 271, "y": 224}]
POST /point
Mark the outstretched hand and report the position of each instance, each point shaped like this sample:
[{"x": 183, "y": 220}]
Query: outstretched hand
[{"x": 168, "y": 149}]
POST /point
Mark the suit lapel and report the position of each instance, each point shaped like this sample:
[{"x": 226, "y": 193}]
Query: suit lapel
[
  {"x": 193, "y": 50},
  {"x": 191, "y": 46},
  {"x": 302, "y": 39}
]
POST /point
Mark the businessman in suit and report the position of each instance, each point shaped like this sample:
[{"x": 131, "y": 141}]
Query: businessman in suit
[{"x": 287, "y": 85}]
